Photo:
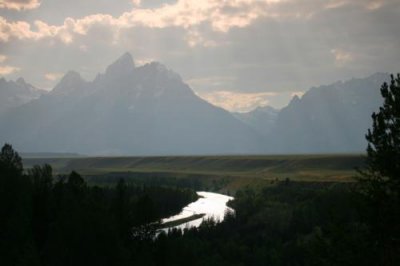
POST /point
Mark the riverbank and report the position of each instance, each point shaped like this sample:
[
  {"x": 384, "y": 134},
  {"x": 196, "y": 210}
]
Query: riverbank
[{"x": 181, "y": 221}]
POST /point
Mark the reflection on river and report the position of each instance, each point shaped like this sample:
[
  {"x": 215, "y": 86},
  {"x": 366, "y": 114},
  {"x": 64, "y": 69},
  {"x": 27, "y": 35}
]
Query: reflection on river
[{"x": 213, "y": 205}]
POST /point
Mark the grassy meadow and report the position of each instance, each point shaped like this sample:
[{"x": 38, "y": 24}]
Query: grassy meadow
[{"x": 218, "y": 173}]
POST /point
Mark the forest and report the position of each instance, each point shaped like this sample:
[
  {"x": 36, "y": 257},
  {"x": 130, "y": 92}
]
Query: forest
[
  {"x": 62, "y": 220},
  {"x": 47, "y": 220}
]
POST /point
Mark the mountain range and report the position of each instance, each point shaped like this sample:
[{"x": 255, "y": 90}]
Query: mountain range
[
  {"x": 149, "y": 110},
  {"x": 146, "y": 110},
  {"x": 327, "y": 119}
]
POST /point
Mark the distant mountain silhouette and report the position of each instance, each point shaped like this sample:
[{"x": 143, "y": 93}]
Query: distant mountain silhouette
[
  {"x": 16, "y": 93},
  {"x": 149, "y": 110},
  {"x": 332, "y": 118},
  {"x": 261, "y": 119},
  {"x": 144, "y": 110}
]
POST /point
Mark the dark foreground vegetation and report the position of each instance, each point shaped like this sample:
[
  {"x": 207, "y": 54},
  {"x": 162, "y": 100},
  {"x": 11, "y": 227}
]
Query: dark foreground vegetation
[
  {"x": 287, "y": 224},
  {"x": 63, "y": 221}
]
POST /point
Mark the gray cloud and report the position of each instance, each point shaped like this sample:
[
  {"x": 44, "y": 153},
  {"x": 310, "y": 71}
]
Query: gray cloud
[{"x": 19, "y": 4}]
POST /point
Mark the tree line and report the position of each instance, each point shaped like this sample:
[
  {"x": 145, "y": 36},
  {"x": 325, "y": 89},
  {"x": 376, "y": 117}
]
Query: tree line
[{"x": 47, "y": 220}]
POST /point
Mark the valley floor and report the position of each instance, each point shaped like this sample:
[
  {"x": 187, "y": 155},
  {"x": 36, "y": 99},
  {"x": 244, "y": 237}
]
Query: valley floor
[{"x": 217, "y": 173}]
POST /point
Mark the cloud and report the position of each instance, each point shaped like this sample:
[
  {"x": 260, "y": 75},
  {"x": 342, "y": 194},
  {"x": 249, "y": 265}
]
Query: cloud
[
  {"x": 19, "y": 30},
  {"x": 136, "y": 3},
  {"x": 236, "y": 101},
  {"x": 3, "y": 58},
  {"x": 247, "y": 101},
  {"x": 143, "y": 61},
  {"x": 222, "y": 16},
  {"x": 190, "y": 15},
  {"x": 195, "y": 38},
  {"x": 215, "y": 82},
  {"x": 342, "y": 57},
  {"x": 367, "y": 4},
  {"x": 53, "y": 76},
  {"x": 19, "y": 4},
  {"x": 374, "y": 4},
  {"x": 7, "y": 70},
  {"x": 297, "y": 93}
]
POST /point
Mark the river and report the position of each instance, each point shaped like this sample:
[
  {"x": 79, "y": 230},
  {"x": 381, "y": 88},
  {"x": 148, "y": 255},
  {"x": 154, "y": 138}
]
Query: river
[{"x": 212, "y": 205}]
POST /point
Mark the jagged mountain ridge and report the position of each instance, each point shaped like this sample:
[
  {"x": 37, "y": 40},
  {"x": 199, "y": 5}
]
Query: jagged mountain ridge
[
  {"x": 16, "y": 93},
  {"x": 149, "y": 110},
  {"x": 329, "y": 119},
  {"x": 146, "y": 110}
]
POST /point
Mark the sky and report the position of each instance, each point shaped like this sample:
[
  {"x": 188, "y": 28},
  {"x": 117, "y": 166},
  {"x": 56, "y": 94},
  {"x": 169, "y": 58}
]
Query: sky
[{"x": 237, "y": 54}]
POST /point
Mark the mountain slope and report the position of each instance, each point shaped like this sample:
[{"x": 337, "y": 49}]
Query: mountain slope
[
  {"x": 16, "y": 93},
  {"x": 143, "y": 110},
  {"x": 328, "y": 119},
  {"x": 262, "y": 119}
]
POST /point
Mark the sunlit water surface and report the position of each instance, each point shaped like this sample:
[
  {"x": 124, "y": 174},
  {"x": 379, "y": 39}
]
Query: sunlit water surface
[{"x": 213, "y": 205}]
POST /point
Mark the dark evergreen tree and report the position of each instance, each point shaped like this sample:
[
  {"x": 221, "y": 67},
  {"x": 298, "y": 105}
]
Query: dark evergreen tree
[
  {"x": 10, "y": 160},
  {"x": 122, "y": 211},
  {"x": 380, "y": 182},
  {"x": 42, "y": 183},
  {"x": 384, "y": 138},
  {"x": 15, "y": 208}
]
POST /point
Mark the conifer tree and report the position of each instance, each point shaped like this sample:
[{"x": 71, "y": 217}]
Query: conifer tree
[{"x": 380, "y": 182}]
